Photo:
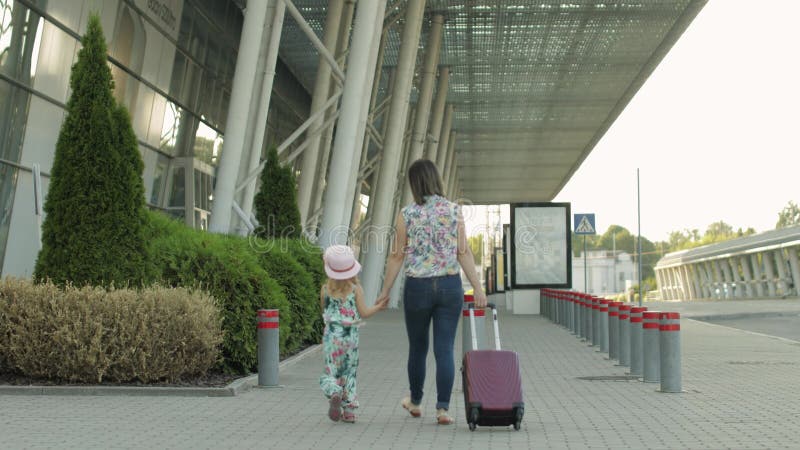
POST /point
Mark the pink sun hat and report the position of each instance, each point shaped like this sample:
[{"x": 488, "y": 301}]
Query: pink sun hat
[{"x": 340, "y": 263}]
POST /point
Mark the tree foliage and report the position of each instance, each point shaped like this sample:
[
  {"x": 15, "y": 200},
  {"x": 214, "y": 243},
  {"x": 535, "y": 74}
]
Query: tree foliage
[
  {"x": 789, "y": 216},
  {"x": 276, "y": 201},
  {"x": 93, "y": 229}
]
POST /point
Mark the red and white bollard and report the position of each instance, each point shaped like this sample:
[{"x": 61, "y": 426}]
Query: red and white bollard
[
  {"x": 268, "y": 346},
  {"x": 670, "y": 351}
]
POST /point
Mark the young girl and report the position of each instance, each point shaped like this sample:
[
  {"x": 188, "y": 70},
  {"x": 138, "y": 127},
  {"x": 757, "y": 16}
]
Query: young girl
[{"x": 342, "y": 302}]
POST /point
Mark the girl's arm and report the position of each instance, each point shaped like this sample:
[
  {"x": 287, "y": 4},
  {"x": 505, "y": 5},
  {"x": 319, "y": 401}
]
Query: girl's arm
[
  {"x": 363, "y": 310},
  {"x": 396, "y": 256},
  {"x": 322, "y": 298}
]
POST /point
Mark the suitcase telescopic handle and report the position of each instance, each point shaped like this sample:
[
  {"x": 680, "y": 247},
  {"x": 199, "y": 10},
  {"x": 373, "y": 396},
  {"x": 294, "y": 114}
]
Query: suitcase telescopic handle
[{"x": 494, "y": 323}]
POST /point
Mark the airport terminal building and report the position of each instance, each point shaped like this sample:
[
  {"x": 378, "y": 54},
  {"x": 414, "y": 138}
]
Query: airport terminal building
[{"x": 508, "y": 98}]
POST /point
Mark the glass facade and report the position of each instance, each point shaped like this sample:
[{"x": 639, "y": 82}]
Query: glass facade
[
  {"x": 20, "y": 32},
  {"x": 173, "y": 68}
]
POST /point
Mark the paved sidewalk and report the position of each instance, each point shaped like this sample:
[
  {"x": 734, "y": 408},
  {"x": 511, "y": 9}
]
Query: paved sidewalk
[{"x": 741, "y": 392}]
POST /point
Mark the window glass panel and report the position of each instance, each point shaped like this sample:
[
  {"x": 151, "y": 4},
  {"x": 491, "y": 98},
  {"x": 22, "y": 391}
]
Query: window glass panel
[
  {"x": 20, "y": 36},
  {"x": 177, "y": 196},
  {"x": 207, "y": 144}
]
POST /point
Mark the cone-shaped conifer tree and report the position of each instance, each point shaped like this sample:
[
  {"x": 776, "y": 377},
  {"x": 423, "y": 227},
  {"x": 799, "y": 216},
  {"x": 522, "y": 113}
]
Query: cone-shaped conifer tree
[{"x": 92, "y": 233}]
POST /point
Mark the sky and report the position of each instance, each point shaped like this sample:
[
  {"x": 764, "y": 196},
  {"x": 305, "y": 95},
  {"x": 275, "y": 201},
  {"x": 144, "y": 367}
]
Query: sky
[{"x": 713, "y": 131}]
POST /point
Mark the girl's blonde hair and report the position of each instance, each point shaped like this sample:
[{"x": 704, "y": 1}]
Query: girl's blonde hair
[{"x": 341, "y": 288}]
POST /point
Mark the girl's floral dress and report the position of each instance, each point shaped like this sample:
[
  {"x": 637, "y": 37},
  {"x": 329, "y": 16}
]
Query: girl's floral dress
[{"x": 340, "y": 347}]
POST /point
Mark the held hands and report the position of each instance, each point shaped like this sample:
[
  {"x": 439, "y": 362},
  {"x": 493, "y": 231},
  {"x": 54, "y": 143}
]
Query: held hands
[{"x": 382, "y": 303}]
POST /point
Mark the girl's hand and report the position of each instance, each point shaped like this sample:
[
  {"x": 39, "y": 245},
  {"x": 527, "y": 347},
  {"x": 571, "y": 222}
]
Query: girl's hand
[{"x": 382, "y": 303}]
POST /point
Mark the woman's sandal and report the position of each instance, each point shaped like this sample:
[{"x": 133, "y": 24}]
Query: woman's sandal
[
  {"x": 443, "y": 418},
  {"x": 411, "y": 408}
]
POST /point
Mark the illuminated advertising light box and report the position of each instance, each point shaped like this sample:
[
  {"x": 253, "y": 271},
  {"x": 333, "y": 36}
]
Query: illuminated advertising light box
[{"x": 541, "y": 246}]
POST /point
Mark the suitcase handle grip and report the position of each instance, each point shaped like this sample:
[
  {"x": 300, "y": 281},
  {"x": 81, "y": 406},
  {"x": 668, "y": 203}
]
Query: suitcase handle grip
[{"x": 494, "y": 322}]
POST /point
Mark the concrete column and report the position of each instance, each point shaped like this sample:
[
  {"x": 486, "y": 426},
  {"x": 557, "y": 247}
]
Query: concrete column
[
  {"x": 795, "y": 265},
  {"x": 437, "y": 115},
  {"x": 384, "y": 126},
  {"x": 707, "y": 280},
  {"x": 757, "y": 275},
  {"x": 447, "y": 167},
  {"x": 322, "y": 84},
  {"x": 726, "y": 272},
  {"x": 675, "y": 283},
  {"x": 351, "y": 124},
  {"x": 428, "y": 76},
  {"x": 694, "y": 273},
  {"x": 660, "y": 284},
  {"x": 671, "y": 291},
  {"x": 379, "y": 46},
  {"x": 735, "y": 279},
  {"x": 720, "y": 280},
  {"x": 377, "y": 241},
  {"x": 321, "y": 176},
  {"x": 255, "y": 17},
  {"x": 454, "y": 171},
  {"x": 687, "y": 283},
  {"x": 769, "y": 272},
  {"x": 780, "y": 263},
  {"x": 267, "y": 75},
  {"x": 748, "y": 278},
  {"x": 443, "y": 151},
  {"x": 714, "y": 276}
]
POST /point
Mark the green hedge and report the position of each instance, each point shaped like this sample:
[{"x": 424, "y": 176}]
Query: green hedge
[
  {"x": 91, "y": 334},
  {"x": 244, "y": 275}
]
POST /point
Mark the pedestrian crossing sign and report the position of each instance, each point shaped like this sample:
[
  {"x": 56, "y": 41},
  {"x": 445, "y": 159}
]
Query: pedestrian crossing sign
[{"x": 584, "y": 224}]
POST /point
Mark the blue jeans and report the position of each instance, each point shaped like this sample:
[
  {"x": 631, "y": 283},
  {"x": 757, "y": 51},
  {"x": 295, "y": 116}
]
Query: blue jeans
[{"x": 439, "y": 299}]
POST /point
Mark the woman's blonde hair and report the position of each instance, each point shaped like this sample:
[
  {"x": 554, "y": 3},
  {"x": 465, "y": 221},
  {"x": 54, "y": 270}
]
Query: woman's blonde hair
[{"x": 424, "y": 180}]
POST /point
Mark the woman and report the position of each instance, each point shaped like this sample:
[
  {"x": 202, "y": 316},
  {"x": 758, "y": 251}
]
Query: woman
[{"x": 431, "y": 239}]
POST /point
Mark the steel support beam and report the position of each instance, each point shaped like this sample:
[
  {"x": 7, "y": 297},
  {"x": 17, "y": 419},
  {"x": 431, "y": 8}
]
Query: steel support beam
[
  {"x": 437, "y": 115},
  {"x": 309, "y": 169},
  {"x": 443, "y": 149},
  {"x": 255, "y": 20},
  {"x": 260, "y": 124},
  {"x": 428, "y": 75},
  {"x": 351, "y": 125},
  {"x": 321, "y": 176},
  {"x": 375, "y": 243}
]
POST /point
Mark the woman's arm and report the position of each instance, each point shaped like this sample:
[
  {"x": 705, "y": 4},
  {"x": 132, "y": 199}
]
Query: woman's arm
[
  {"x": 467, "y": 262},
  {"x": 322, "y": 299},
  {"x": 396, "y": 256},
  {"x": 363, "y": 310}
]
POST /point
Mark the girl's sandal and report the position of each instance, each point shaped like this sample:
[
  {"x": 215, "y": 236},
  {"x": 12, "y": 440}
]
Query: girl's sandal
[
  {"x": 443, "y": 418},
  {"x": 349, "y": 417},
  {"x": 335, "y": 407},
  {"x": 411, "y": 408}
]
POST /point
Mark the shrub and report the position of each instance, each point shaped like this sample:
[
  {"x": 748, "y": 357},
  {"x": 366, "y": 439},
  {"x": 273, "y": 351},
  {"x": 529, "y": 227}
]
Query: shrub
[
  {"x": 276, "y": 201},
  {"x": 91, "y": 334},
  {"x": 226, "y": 267},
  {"x": 300, "y": 289},
  {"x": 92, "y": 233}
]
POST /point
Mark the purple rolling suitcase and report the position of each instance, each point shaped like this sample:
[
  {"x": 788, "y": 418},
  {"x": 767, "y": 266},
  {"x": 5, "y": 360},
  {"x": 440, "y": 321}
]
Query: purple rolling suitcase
[{"x": 492, "y": 383}]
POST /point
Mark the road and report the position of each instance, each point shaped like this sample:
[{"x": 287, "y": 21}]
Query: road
[{"x": 785, "y": 326}]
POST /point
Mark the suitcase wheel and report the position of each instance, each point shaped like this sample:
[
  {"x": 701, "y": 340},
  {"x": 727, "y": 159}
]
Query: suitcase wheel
[
  {"x": 518, "y": 418},
  {"x": 473, "y": 419}
]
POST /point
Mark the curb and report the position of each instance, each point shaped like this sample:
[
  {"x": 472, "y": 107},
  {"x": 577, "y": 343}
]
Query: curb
[{"x": 233, "y": 389}]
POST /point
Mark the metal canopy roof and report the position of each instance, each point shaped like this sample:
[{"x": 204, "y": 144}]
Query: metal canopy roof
[
  {"x": 761, "y": 242},
  {"x": 535, "y": 83}
]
